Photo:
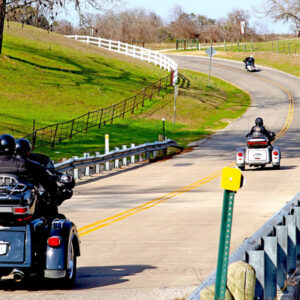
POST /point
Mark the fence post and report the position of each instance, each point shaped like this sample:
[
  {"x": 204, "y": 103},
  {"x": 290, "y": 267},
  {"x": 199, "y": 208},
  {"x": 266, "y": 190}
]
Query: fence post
[
  {"x": 97, "y": 171},
  {"x": 124, "y": 147},
  {"x": 107, "y": 151},
  {"x": 289, "y": 47},
  {"x": 113, "y": 113},
  {"x": 99, "y": 126},
  {"x": 117, "y": 160},
  {"x": 270, "y": 259},
  {"x": 256, "y": 259},
  {"x": 34, "y": 134},
  {"x": 87, "y": 169},
  {"x": 290, "y": 222},
  {"x": 172, "y": 77},
  {"x": 71, "y": 134},
  {"x": 75, "y": 171},
  {"x": 124, "y": 108},
  {"x": 224, "y": 44},
  {"x": 87, "y": 122},
  {"x": 133, "y": 107},
  {"x": 132, "y": 156},
  {"x": 159, "y": 87},
  {"x": 55, "y": 132},
  {"x": 297, "y": 215},
  {"x": 281, "y": 232}
]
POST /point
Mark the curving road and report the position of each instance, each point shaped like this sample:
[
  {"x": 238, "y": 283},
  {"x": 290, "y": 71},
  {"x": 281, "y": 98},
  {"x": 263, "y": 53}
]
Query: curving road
[{"x": 152, "y": 233}]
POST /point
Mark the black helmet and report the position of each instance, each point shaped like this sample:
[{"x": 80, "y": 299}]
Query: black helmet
[
  {"x": 7, "y": 144},
  {"x": 23, "y": 147},
  {"x": 259, "y": 122}
]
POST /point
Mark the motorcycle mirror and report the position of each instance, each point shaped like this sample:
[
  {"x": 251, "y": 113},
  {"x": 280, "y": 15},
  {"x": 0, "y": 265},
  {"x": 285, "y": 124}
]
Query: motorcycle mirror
[{"x": 66, "y": 178}]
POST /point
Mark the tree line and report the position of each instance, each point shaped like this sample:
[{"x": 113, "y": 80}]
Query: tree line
[{"x": 136, "y": 25}]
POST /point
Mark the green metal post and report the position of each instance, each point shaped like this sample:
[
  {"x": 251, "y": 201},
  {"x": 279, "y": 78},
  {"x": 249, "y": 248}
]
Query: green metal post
[
  {"x": 197, "y": 44},
  {"x": 277, "y": 46},
  {"x": 224, "y": 45},
  {"x": 289, "y": 47},
  {"x": 224, "y": 245},
  {"x": 238, "y": 46},
  {"x": 251, "y": 45}
]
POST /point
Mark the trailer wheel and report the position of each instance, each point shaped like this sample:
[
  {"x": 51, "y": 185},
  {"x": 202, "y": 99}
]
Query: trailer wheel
[{"x": 69, "y": 279}]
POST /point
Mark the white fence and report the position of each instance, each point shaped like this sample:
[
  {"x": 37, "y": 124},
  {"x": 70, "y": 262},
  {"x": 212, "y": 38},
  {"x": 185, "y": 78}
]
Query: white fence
[{"x": 141, "y": 53}]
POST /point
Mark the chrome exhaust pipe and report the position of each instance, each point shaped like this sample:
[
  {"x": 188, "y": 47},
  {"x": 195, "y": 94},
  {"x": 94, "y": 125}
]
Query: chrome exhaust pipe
[{"x": 18, "y": 275}]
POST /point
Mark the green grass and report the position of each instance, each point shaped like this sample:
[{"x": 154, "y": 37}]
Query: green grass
[
  {"x": 201, "y": 111},
  {"x": 52, "y": 79}
]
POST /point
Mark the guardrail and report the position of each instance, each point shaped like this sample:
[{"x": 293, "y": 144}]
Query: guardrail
[
  {"x": 74, "y": 164},
  {"x": 272, "y": 251},
  {"x": 141, "y": 53}
]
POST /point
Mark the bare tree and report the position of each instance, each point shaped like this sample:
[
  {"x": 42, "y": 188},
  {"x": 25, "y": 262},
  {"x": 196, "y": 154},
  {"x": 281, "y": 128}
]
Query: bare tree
[
  {"x": 52, "y": 6},
  {"x": 127, "y": 26},
  {"x": 285, "y": 10},
  {"x": 232, "y": 25}
]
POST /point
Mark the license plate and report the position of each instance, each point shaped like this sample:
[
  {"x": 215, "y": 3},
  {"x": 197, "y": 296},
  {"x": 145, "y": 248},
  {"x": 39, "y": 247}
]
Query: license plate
[{"x": 3, "y": 248}]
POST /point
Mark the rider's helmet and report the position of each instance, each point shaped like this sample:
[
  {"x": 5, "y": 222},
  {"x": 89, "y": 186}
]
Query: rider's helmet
[
  {"x": 259, "y": 121},
  {"x": 7, "y": 144},
  {"x": 251, "y": 56},
  {"x": 23, "y": 147}
]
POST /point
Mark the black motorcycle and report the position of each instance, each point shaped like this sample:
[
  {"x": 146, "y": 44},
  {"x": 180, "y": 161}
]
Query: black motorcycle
[{"x": 33, "y": 242}]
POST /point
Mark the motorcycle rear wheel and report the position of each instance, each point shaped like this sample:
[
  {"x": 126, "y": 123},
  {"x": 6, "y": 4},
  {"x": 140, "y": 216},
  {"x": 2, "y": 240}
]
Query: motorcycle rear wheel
[{"x": 69, "y": 279}]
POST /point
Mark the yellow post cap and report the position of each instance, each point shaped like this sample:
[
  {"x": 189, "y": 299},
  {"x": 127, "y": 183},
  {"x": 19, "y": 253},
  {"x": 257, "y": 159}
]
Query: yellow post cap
[{"x": 231, "y": 179}]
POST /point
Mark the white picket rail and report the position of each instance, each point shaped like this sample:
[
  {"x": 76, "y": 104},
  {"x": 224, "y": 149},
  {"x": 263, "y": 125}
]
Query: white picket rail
[{"x": 141, "y": 53}]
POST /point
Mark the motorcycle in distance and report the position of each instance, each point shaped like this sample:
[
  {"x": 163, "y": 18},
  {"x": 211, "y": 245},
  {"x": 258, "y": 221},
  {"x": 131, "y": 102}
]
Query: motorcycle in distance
[
  {"x": 32, "y": 244},
  {"x": 250, "y": 67},
  {"x": 259, "y": 152}
]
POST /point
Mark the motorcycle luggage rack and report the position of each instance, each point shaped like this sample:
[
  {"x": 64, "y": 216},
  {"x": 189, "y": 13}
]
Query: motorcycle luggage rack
[{"x": 10, "y": 184}]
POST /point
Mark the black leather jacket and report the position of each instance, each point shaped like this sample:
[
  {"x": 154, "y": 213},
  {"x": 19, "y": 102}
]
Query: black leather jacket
[
  {"x": 249, "y": 60},
  {"x": 260, "y": 129},
  {"x": 28, "y": 170}
]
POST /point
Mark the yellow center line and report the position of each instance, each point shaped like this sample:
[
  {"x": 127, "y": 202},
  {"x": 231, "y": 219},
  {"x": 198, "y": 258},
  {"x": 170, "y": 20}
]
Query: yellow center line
[{"x": 127, "y": 213}]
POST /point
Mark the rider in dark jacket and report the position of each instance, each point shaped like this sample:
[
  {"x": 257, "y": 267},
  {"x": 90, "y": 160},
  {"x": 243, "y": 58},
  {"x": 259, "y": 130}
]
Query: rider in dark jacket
[
  {"x": 249, "y": 60},
  {"x": 24, "y": 168},
  {"x": 27, "y": 170},
  {"x": 23, "y": 149},
  {"x": 259, "y": 127}
]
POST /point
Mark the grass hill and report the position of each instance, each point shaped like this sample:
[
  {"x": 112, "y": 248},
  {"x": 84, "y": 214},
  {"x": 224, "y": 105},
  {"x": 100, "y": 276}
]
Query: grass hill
[
  {"x": 51, "y": 79},
  {"x": 48, "y": 78}
]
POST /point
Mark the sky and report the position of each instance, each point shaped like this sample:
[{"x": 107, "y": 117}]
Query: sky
[{"x": 210, "y": 8}]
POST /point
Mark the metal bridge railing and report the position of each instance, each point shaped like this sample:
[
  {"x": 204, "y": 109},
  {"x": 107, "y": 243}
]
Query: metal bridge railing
[
  {"x": 273, "y": 252},
  {"x": 95, "y": 161}
]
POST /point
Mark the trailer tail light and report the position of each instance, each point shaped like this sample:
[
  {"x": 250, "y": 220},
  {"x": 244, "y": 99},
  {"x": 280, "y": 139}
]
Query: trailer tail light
[
  {"x": 240, "y": 154},
  {"x": 21, "y": 210},
  {"x": 54, "y": 241},
  {"x": 260, "y": 143},
  {"x": 275, "y": 153}
]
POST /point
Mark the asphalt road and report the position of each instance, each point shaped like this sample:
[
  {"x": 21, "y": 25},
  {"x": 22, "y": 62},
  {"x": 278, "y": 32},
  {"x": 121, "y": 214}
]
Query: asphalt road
[{"x": 155, "y": 229}]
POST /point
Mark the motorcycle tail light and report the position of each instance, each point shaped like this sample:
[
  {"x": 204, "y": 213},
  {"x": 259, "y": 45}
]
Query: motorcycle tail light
[
  {"x": 275, "y": 153},
  {"x": 240, "y": 154},
  {"x": 54, "y": 241},
  {"x": 21, "y": 210}
]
